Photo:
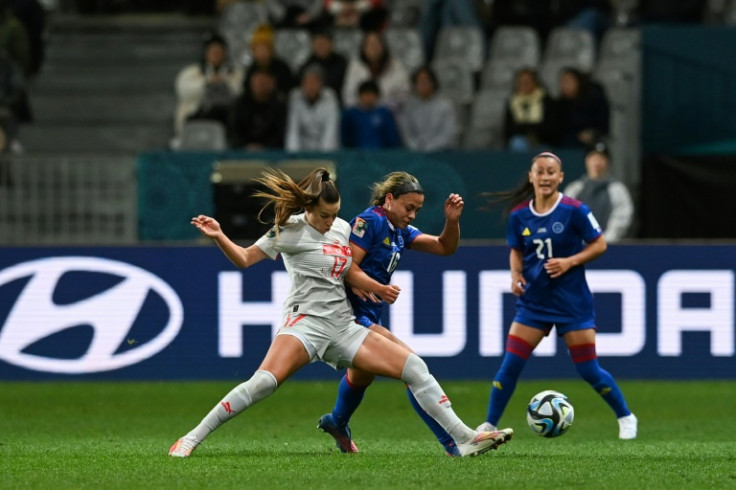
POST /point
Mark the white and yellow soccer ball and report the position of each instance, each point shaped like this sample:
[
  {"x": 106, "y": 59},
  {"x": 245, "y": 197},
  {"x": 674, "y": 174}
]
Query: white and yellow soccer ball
[{"x": 550, "y": 413}]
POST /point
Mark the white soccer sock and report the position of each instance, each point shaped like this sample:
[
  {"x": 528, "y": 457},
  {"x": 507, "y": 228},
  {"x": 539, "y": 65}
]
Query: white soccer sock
[
  {"x": 258, "y": 387},
  {"x": 432, "y": 399}
]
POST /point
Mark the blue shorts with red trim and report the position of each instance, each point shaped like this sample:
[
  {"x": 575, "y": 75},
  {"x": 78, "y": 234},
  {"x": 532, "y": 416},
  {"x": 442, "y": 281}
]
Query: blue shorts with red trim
[{"x": 525, "y": 317}]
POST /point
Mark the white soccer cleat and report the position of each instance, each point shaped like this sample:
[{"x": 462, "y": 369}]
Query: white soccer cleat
[
  {"x": 484, "y": 442},
  {"x": 486, "y": 427},
  {"x": 183, "y": 447},
  {"x": 627, "y": 427}
]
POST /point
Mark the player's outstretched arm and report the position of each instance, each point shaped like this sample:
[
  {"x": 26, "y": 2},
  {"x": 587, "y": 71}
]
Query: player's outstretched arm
[
  {"x": 241, "y": 257},
  {"x": 447, "y": 241}
]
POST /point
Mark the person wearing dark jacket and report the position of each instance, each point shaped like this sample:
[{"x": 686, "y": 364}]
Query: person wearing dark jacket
[
  {"x": 333, "y": 64},
  {"x": 582, "y": 109},
  {"x": 258, "y": 117},
  {"x": 264, "y": 57}
]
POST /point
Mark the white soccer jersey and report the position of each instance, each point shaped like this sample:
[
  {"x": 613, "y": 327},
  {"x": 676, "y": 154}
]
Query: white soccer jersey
[{"x": 317, "y": 264}]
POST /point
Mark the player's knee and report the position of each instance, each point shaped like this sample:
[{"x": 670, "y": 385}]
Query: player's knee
[
  {"x": 260, "y": 385},
  {"x": 415, "y": 370}
]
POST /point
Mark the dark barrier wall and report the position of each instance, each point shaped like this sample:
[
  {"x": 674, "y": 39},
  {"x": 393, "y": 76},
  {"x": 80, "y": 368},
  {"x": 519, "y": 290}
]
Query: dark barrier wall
[
  {"x": 689, "y": 92},
  {"x": 186, "y": 313},
  {"x": 173, "y": 187},
  {"x": 688, "y": 197}
]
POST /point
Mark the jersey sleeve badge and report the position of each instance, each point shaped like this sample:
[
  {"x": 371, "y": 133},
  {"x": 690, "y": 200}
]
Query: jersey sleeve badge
[{"x": 359, "y": 227}]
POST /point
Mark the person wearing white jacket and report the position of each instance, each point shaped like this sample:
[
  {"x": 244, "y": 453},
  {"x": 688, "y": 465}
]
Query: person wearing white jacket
[
  {"x": 313, "y": 122},
  {"x": 376, "y": 63},
  {"x": 207, "y": 88}
]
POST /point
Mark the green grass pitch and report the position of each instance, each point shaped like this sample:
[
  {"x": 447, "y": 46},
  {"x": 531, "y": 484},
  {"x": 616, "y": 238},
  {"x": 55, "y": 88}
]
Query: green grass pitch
[{"x": 116, "y": 435}]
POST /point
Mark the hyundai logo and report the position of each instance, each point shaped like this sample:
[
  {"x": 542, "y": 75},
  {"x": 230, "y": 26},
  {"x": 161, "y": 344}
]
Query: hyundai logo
[{"x": 111, "y": 313}]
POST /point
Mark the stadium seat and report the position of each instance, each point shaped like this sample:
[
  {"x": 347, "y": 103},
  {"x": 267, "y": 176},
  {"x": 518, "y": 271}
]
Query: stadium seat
[
  {"x": 619, "y": 43},
  {"x": 714, "y": 11},
  {"x": 461, "y": 42},
  {"x": 238, "y": 43},
  {"x": 406, "y": 45},
  {"x": 549, "y": 76},
  {"x": 571, "y": 47},
  {"x": 519, "y": 44},
  {"x": 455, "y": 79},
  {"x": 485, "y": 129},
  {"x": 730, "y": 14},
  {"x": 293, "y": 46},
  {"x": 347, "y": 42},
  {"x": 619, "y": 85},
  {"x": 404, "y": 13},
  {"x": 242, "y": 16},
  {"x": 624, "y": 11},
  {"x": 201, "y": 134},
  {"x": 500, "y": 74}
]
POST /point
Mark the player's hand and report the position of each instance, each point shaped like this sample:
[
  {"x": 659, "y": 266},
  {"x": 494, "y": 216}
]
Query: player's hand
[
  {"x": 556, "y": 267},
  {"x": 390, "y": 293},
  {"x": 366, "y": 295},
  {"x": 518, "y": 286},
  {"x": 454, "y": 207},
  {"x": 208, "y": 226}
]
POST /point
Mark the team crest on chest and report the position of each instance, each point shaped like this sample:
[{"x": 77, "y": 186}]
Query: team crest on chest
[{"x": 558, "y": 227}]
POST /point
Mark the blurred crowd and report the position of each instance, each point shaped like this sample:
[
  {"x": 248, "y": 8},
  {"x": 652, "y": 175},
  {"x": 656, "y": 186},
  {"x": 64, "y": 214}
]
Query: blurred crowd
[{"x": 372, "y": 98}]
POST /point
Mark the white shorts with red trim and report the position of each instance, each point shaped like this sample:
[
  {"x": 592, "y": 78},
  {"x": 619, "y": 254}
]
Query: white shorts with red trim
[{"x": 332, "y": 344}]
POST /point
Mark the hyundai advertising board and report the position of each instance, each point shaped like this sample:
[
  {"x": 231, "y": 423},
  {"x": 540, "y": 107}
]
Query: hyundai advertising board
[{"x": 188, "y": 313}]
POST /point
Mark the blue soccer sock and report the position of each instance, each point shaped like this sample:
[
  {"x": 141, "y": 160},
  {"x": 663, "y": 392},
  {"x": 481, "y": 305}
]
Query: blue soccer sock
[
  {"x": 440, "y": 433},
  {"x": 586, "y": 362},
  {"x": 349, "y": 397},
  {"x": 504, "y": 384}
]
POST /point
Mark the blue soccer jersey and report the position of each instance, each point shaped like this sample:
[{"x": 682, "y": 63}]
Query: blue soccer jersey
[
  {"x": 560, "y": 232},
  {"x": 383, "y": 243}
]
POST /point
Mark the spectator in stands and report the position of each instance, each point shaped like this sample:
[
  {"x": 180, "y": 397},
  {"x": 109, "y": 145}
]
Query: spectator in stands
[
  {"x": 14, "y": 40},
  {"x": 32, "y": 15},
  {"x": 607, "y": 197},
  {"x": 530, "y": 120},
  {"x": 376, "y": 63},
  {"x": 258, "y": 117},
  {"x": 583, "y": 110},
  {"x": 264, "y": 57},
  {"x": 438, "y": 14},
  {"x": 207, "y": 89},
  {"x": 368, "y": 15},
  {"x": 369, "y": 125},
  {"x": 333, "y": 64},
  {"x": 313, "y": 115},
  {"x": 428, "y": 122}
]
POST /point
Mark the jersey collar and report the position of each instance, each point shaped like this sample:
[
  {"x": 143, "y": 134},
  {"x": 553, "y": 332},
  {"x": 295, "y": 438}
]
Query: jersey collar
[{"x": 535, "y": 213}]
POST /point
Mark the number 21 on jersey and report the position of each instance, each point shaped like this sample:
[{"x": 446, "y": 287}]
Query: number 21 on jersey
[{"x": 541, "y": 246}]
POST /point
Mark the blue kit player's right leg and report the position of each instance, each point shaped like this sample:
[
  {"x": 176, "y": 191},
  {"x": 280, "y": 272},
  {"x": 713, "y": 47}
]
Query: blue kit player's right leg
[{"x": 504, "y": 383}]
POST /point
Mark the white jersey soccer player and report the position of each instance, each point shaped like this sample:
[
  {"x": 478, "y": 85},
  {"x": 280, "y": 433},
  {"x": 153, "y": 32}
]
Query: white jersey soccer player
[{"x": 316, "y": 264}]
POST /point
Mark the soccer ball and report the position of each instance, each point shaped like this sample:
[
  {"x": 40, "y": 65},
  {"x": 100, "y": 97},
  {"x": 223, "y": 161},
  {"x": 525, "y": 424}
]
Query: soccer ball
[{"x": 549, "y": 414}]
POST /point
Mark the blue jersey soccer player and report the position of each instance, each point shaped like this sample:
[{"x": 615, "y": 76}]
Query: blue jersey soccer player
[
  {"x": 378, "y": 239},
  {"x": 551, "y": 238}
]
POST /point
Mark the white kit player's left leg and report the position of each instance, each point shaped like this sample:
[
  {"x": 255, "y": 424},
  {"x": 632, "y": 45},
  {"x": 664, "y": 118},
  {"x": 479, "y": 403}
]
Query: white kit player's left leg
[{"x": 258, "y": 387}]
